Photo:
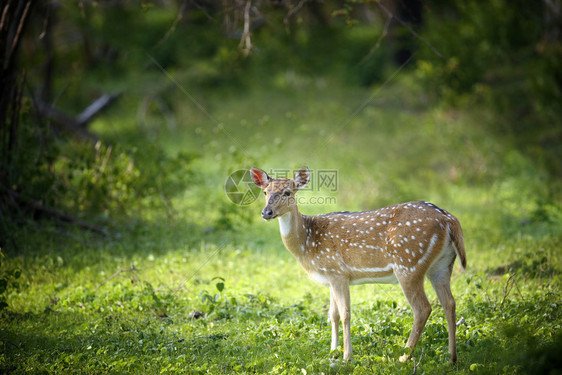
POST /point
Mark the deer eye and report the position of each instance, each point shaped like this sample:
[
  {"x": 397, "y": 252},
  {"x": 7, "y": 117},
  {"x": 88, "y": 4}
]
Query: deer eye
[{"x": 286, "y": 193}]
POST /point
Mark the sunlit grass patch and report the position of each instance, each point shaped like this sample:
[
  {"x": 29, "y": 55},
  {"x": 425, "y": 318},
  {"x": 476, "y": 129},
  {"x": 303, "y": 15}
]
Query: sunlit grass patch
[{"x": 189, "y": 282}]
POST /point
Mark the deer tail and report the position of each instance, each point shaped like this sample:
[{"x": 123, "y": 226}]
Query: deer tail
[{"x": 455, "y": 234}]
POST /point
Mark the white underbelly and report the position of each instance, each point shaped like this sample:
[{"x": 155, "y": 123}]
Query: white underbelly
[
  {"x": 388, "y": 279},
  {"x": 319, "y": 278}
]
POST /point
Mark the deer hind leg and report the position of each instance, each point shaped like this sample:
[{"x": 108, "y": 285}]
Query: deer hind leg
[
  {"x": 442, "y": 284},
  {"x": 415, "y": 294},
  {"x": 340, "y": 290},
  {"x": 334, "y": 317}
]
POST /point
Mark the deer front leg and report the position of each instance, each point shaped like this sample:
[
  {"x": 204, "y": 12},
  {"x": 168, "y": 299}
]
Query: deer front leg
[
  {"x": 340, "y": 291},
  {"x": 334, "y": 318}
]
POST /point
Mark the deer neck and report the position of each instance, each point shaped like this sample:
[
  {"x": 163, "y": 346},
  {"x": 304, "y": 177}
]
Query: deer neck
[{"x": 293, "y": 231}]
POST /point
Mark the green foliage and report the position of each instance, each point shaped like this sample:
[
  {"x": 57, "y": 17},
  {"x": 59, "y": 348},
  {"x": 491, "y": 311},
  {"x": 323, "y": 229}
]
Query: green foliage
[
  {"x": 501, "y": 48},
  {"x": 9, "y": 277},
  {"x": 104, "y": 183},
  {"x": 195, "y": 284},
  {"x": 95, "y": 181},
  {"x": 512, "y": 62}
]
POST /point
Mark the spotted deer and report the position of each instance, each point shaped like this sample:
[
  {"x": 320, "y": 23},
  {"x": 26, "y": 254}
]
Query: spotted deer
[{"x": 399, "y": 243}]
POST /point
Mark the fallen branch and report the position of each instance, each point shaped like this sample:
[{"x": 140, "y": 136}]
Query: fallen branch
[
  {"x": 60, "y": 233},
  {"x": 418, "y": 363},
  {"x": 68, "y": 124},
  {"x": 78, "y": 124},
  {"x": 461, "y": 321},
  {"x": 53, "y": 212},
  {"x": 97, "y": 106},
  {"x": 131, "y": 269}
]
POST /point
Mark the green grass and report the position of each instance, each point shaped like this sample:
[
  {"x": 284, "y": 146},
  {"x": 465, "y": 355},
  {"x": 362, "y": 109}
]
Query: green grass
[{"x": 127, "y": 303}]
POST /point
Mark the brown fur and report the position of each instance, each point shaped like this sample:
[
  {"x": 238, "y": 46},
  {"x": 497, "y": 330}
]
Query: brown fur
[{"x": 399, "y": 243}]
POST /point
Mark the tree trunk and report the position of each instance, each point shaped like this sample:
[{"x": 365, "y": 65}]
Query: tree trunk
[{"x": 13, "y": 18}]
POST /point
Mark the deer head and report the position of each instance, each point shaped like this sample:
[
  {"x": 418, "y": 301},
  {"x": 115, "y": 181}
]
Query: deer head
[{"x": 279, "y": 192}]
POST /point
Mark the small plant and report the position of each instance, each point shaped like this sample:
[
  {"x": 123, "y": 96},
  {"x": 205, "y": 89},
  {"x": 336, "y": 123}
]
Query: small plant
[
  {"x": 8, "y": 280},
  {"x": 217, "y": 305}
]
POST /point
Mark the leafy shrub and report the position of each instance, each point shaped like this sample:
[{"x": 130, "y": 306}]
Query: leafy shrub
[
  {"x": 8, "y": 280},
  {"x": 508, "y": 62},
  {"x": 98, "y": 182},
  {"x": 483, "y": 48}
]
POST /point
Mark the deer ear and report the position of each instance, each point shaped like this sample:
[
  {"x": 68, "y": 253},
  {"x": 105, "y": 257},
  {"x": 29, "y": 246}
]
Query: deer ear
[
  {"x": 259, "y": 177},
  {"x": 302, "y": 177}
]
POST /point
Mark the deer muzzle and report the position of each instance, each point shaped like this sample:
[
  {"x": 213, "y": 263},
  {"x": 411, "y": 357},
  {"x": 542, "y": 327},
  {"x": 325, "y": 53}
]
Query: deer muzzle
[{"x": 267, "y": 213}]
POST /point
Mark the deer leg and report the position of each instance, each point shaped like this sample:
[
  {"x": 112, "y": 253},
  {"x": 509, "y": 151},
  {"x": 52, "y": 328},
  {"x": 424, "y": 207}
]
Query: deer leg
[
  {"x": 334, "y": 317},
  {"x": 341, "y": 293},
  {"x": 420, "y": 305},
  {"x": 442, "y": 286}
]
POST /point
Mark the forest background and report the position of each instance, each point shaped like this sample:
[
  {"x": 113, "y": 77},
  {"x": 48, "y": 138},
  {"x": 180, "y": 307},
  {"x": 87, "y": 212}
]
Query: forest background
[{"x": 126, "y": 247}]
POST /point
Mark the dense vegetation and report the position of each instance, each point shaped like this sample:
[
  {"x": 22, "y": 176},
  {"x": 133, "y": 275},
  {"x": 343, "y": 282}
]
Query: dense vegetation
[{"x": 171, "y": 276}]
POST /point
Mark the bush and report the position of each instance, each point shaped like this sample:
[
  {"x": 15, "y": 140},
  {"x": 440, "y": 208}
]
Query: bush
[
  {"x": 502, "y": 59},
  {"x": 103, "y": 183}
]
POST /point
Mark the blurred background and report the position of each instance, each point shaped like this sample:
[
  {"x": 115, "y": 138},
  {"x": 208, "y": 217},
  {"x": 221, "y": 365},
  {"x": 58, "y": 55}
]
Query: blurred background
[
  {"x": 108, "y": 104},
  {"x": 125, "y": 130}
]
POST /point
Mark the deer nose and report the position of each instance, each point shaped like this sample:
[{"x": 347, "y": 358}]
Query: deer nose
[{"x": 267, "y": 213}]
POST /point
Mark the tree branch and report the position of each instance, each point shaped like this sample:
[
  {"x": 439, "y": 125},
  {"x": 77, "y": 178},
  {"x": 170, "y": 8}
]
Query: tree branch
[
  {"x": 292, "y": 11},
  {"x": 245, "y": 40},
  {"x": 131, "y": 269},
  {"x": 53, "y": 212},
  {"x": 412, "y": 31},
  {"x": 383, "y": 35},
  {"x": 67, "y": 123},
  {"x": 97, "y": 106},
  {"x": 78, "y": 124}
]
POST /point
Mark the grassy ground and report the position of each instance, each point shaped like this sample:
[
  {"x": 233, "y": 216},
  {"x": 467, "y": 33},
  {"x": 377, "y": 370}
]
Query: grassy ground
[{"x": 200, "y": 285}]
